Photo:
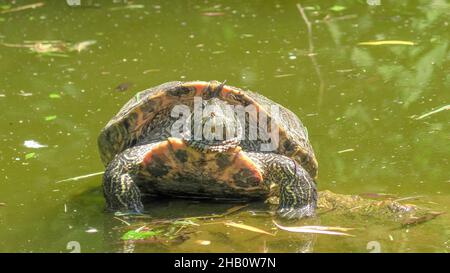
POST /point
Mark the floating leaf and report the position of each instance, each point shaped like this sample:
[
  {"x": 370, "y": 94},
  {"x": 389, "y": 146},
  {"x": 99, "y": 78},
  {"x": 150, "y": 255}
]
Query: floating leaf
[
  {"x": 316, "y": 229},
  {"x": 337, "y": 8},
  {"x": 25, "y": 94},
  {"x": 130, "y": 6},
  {"x": 422, "y": 219},
  {"x": 49, "y": 118},
  {"x": 213, "y": 14},
  {"x": 33, "y": 144},
  {"x": 203, "y": 242},
  {"x": 30, "y": 155},
  {"x": 346, "y": 151},
  {"x": 80, "y": 46},
  {"x": 247, "y": 227},
  {"x": 92, "y": 230},
  {"x": 52, "y": 48},
  {"x": 387, "y": 42},
  {"x": 283, "y": 75},
  {"x": 54, "y": 96},
  {"x": 140, "y": 235}
]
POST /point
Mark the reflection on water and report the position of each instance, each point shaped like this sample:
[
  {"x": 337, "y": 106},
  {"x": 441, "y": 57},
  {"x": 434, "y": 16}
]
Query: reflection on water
[{"x": 362, "y": 127}]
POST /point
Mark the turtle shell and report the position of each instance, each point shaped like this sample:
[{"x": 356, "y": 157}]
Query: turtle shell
[{"x": 148, "y": 110}]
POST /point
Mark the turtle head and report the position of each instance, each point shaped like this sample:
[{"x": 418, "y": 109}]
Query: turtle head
[{"x": 215, "y": 126}]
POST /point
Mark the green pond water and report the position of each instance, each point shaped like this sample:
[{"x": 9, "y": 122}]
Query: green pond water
[{"x": 357, "y": 101}]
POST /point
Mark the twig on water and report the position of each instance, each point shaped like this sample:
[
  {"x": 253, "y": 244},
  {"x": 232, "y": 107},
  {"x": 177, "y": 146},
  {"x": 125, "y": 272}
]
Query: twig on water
[
  {"x": 443, "y": 108},
  {"x": 387, "y": 42},
  {"x": 20, "y": 8},
  {"x": 121, "y": 220},
  {"x": 408, "y": 198},
  {"x": 311, "y": 53},
  {"x": 80, "y": 177},
  {"x": 308, "y": 26},
  {"x": 328, "y": 18}
]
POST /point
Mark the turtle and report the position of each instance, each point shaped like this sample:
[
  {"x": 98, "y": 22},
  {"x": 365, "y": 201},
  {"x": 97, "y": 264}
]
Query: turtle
[{"x": 180, "y": 139}]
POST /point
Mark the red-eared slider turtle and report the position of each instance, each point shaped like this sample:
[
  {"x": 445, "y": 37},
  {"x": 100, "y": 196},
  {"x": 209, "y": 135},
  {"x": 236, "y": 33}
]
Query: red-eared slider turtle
[{"x": 204, "y": 157}]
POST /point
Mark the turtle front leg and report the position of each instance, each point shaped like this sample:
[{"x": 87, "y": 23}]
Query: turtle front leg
[
  {"x": 297, "y": 190},
  {"x": 119, "y": 184}
]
